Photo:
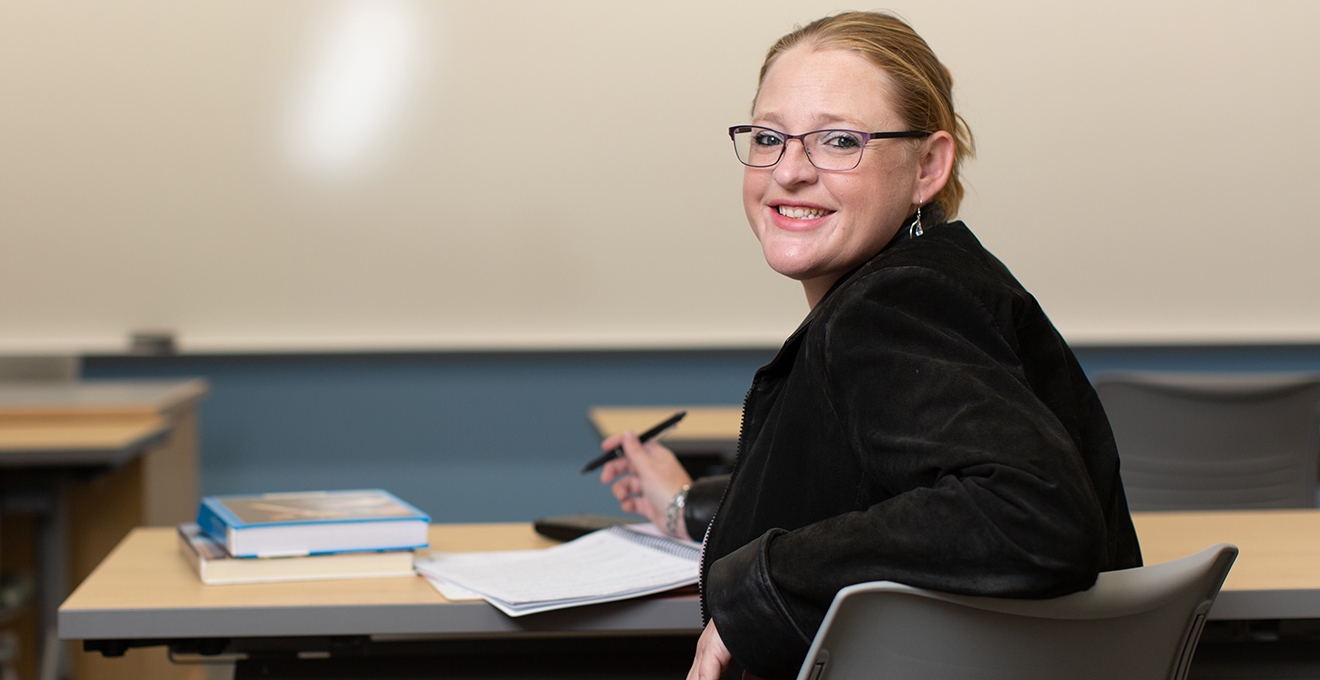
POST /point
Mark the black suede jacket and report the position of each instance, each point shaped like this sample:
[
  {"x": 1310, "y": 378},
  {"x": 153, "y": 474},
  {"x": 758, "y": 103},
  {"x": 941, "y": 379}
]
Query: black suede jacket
[{"x": 925, "y": 424}]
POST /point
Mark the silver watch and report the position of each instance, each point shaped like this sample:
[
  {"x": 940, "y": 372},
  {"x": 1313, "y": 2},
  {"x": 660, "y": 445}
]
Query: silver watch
[{"x": 675, "y": 510}]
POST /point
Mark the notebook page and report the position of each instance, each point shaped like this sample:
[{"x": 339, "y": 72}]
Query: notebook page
[{"x": 600, "y": 564}]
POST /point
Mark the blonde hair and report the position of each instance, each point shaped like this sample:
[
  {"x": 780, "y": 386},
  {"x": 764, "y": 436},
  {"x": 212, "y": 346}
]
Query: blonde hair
[{"x": 923, "y": 88}]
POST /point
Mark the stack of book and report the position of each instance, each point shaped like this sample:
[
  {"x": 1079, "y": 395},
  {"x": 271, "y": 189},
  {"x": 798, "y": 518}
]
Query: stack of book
[{"x": 306, "y": 536}]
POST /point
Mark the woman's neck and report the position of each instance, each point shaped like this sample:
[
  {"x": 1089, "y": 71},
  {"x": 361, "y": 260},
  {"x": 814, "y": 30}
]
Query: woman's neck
[{"x": 817, "y": 288}]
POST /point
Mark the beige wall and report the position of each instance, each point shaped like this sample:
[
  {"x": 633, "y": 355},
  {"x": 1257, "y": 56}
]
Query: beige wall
[{"x": 542, "y": 174}]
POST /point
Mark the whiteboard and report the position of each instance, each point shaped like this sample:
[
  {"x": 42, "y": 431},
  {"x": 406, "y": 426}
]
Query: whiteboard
[{"x": 263, "y": 176}]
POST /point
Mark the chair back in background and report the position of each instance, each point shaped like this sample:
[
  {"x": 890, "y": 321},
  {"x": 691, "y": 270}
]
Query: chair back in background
[
  {"x": 1135, "y": 624},
  {"x": 1215, "y": 441}
]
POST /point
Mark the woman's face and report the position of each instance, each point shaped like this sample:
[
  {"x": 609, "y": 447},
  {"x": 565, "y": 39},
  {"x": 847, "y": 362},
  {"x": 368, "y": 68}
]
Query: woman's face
[{"x": 815, "y": 226}]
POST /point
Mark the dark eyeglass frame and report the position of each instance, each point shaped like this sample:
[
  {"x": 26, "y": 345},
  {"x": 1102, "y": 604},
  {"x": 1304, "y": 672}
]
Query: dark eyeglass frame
[{"x": 802, "y": 139}]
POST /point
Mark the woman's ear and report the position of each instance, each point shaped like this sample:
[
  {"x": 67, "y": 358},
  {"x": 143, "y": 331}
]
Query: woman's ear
[{"x": 934, "y": 165}]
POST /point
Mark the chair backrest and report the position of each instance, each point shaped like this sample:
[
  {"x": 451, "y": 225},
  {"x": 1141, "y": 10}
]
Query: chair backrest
[
  {"x": 1135, "y": 624},
  {"x": 1215, "y": 441}
]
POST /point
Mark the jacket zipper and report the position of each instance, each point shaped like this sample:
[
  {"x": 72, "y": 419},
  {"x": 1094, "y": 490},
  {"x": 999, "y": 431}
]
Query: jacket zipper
[{"x": 737, "y": 455}]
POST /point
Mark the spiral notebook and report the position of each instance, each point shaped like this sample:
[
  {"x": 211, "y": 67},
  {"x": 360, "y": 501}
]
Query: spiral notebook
[{"x": 611, "y": 564}]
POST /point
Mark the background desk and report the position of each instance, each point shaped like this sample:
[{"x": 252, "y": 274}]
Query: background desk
[
  {"x": 1266, "y": 620},
  {"x": 93, "y": 460},
  {"x": 1277, "y": 572}
]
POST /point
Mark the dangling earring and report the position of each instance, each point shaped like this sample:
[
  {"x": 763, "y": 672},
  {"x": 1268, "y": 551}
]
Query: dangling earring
[{"x": 915, "y": 230}]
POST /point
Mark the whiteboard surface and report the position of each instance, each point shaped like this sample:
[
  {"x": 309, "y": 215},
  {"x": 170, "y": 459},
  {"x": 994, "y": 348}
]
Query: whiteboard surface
[{"x": 396, "y": 175}]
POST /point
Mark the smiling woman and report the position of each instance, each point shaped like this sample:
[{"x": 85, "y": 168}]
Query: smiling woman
[
  {"x": 925, "y": 424},
  {"x": 814, "y": 224}
]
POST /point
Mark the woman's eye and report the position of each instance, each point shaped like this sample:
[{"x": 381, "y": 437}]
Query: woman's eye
[
  {"x": 842, "y": 141},
  {"x": 767, "y": 139}
]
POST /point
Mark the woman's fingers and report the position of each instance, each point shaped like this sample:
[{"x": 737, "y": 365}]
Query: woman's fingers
[
  {"x": 645, "y": 479},
  {"x": 626, "y": 487},
  {"x": 614, "y": 469},
  {"x": 712, "y": 656},
  {"x": 628, "y": 491},
  {"x": 634, "y": 451},
  {"x": 627, "y": 463},
  {"x": 611, "y": 442}
]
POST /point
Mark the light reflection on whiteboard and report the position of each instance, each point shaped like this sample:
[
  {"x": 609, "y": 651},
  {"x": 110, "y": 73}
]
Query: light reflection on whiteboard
[{"x": 362, "y": 67}]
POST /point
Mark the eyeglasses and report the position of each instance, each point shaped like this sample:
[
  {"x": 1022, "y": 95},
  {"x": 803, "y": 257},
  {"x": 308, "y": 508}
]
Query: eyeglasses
[{"x": 828, "y": 150}]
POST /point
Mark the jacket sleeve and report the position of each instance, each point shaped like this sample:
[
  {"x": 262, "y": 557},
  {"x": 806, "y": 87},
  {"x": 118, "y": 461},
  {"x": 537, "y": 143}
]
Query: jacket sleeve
[
  {"x": 969, "y": 482},
  {"x": 703, "y": 500}
]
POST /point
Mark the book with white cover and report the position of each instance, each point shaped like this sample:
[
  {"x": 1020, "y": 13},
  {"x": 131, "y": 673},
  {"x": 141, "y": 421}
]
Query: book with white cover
[
  {"x": 611, "y": 564},
  {"x": 214, "y": 566},
  {"x": 312, "y": 523}
]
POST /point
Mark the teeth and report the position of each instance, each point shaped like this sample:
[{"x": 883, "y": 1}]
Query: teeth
[{"x": 798, "y": 213}]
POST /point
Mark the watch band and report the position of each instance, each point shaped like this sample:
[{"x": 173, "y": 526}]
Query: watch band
[{"x": 675, "y": 510}]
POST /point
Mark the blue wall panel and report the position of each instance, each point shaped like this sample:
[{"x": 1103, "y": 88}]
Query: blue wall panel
[
  {"x": 465, "y": 437},
  {"x": 472, "y": 437}
]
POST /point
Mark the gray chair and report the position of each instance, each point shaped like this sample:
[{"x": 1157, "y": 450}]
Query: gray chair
[
  {"x": 1215, "y": 441},
  {"x": 1135, "y": 624}
]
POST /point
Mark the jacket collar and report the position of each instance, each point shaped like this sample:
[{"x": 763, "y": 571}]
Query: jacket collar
[{"x": 932, "y": 216}]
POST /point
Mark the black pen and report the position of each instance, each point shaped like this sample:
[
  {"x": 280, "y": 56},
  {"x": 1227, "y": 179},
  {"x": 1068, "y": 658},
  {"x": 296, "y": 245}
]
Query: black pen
[{"x": 646, "y": 436}]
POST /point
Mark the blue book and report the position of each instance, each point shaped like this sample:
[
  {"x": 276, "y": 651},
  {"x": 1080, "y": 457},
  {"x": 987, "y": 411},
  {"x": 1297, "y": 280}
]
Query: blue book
[{"x": 312, "y": 523}]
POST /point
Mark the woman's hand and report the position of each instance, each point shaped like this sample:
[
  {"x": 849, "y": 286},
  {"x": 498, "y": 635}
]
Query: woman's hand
[
  {"x": 645, "y": 479},
  {"x": 712, "y": 656}
]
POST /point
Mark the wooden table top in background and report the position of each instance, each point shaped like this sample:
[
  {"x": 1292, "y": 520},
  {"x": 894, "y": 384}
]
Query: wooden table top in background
[
  {"x": 87, "y": 423},
  {"x": 107, "y": 399},
  {"x": 1279, "y": 549},
  {"x": 92, "y": 442}
]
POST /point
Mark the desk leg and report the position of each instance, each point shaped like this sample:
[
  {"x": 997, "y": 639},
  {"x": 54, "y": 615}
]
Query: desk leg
[
  {"x": 22, "y": 513},
  {"x": 53, "y": 585},
  {"x": 169, "y": 474}
]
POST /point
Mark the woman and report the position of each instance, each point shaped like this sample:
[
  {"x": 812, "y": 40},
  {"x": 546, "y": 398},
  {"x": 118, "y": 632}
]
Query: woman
[{"x": 925, "y": 424}]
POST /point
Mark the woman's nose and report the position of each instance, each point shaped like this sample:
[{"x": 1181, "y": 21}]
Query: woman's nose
[{"x": 794, "y": 166}]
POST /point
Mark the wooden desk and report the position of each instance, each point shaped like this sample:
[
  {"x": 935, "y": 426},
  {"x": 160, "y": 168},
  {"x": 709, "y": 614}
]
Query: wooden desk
[
  {"x": 1266, "y": 621},
  {"x": 93, "y": 423},
  {"x": 53, "y": 443},
  {"x": 144, "y": 593},
  {"x": 145, "y": 589},
  {"x": 1277, "y": 572},
  {"x": 93, "y": 460}
]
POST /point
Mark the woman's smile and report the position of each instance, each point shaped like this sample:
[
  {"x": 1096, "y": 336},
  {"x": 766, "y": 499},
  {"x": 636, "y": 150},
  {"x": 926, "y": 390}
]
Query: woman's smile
[{"x": 799, "y": 216}]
